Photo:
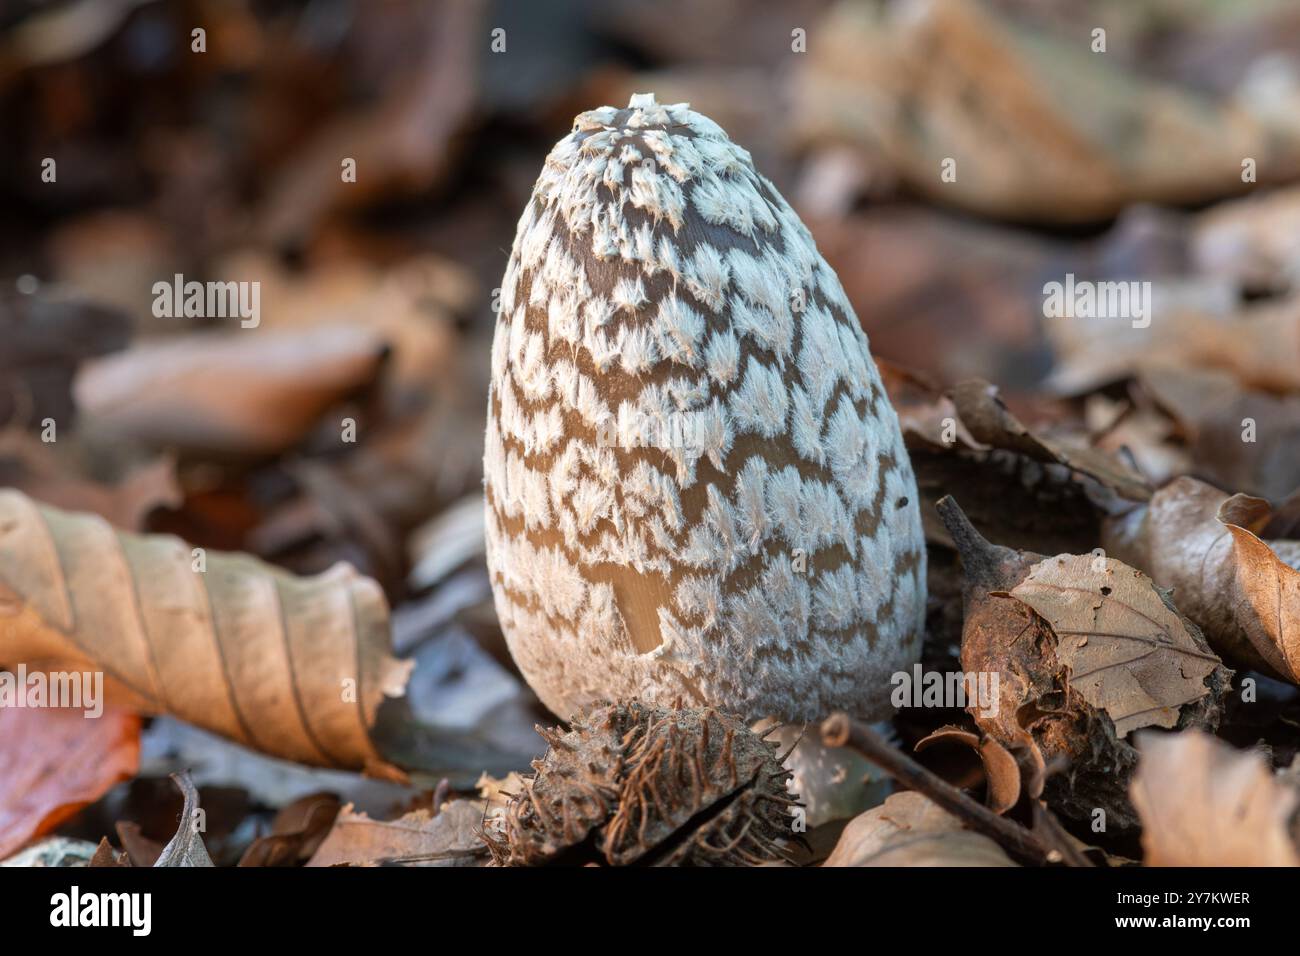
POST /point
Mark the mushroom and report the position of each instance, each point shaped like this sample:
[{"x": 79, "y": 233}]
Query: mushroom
[{"x": 696, "y": 486}]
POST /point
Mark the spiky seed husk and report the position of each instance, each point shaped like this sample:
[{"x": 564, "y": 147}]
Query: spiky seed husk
[{"x": 635, "y": 783}]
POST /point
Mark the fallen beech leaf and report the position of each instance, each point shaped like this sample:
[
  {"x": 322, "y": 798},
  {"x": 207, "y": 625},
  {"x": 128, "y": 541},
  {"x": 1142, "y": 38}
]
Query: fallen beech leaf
[
  {"x": 448, "y": 838},
  {"x": 1257, "y": 345},
  {"x": 1242, "y": 591},
  {"x": 991, "y": 422},
  {"x": 296, "y": 833},
  {"x": 1119, "y": 661},
  {"x": 186, "y": 847},
  {"x": 1209, "y": 407},
  {"x": 294, "y": 667},
  {"x": 909, "y": 829},
  {"x": 1128, "y": 652},
  {"x": 924, "y": 411},
  {"x": 250, "y": 391},
  {"x": 1266, "y": 584},
  {"x": 1035, "y": 501},
  {"x": 1202, "y": 803},
  {"x": 1044, "y": 129},
  {"x": 54, "y": 761}
]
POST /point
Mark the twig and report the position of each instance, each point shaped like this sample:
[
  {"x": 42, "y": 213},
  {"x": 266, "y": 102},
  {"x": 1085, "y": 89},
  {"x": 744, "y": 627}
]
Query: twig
[
  {"x": 1045, "y": 822},
  {"x": 840, "y": 730}
]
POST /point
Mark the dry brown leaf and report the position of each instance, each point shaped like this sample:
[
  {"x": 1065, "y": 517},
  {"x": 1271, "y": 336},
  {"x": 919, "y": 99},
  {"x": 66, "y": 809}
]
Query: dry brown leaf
[
  {"x": 909, "y": 829},
  {"x": 1242, "y": 591},
  {"x": 1251, "y": 240},
  {"x": 106, "y": 856},
  {"x": 410, "y": 305},
  {"x": 1259, "y": 346},
  {"x": 1266, "y": 584},
  {"x": 140, "y": 850},
  {"x": 250, "y": 391},
  {"x": 990, "y": 421},
  {"x": 34, "y": 468},
  {"x": 400, "y": 145},
  {"x": 296, "y": 833},
  {"x": 186, "y": 848},
  {"x": 54, "y": 761},
  {"x": 291, "y": 666},
  {"x": 1041, "y": 128},
  {"x": 448, "y": 838},
  {"x": 1202, "y": 803},
  {"x": 1128, "y": 652},
  {"x": 925, "y": 413}
]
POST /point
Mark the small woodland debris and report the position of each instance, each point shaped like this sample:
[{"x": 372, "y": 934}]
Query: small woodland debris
[{"x": 56, "y": 852}]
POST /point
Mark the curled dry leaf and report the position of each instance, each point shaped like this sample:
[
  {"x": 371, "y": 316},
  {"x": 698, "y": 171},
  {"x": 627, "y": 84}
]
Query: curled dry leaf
[
  {"x": 1029, "y": 491},
  {"x": 909, "y": 829},
  {"x": 1202, "y": 803},
  {"x": 140, "y": 850},
  {"x": 1241, "y": 589},
  {"x": 448, "y": 838},
  {"x": 1086, "y": 650},
  {"x": 296, "y": 833},
  {"x": 1001, "y": 771},
  {"x": 248, "y": 392},
  {"x": 55, "y": 760},
  {"x": 990, "y": 421},
  {"x": 186, "y": 847},
  {"x": 1257, "y": 346},
  {"x": 294, "y": 667}
]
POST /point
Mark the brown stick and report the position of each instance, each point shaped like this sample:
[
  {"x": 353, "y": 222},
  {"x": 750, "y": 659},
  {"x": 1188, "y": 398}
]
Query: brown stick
[{"x": 839, "y": 730}]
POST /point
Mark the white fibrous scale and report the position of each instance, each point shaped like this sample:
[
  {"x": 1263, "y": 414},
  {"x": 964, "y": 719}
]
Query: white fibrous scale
[{"x": 696, "y": 486}]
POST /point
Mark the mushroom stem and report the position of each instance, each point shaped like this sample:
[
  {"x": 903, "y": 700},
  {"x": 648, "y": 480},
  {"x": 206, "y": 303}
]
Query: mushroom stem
[{"x": 841, "y": 730}]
